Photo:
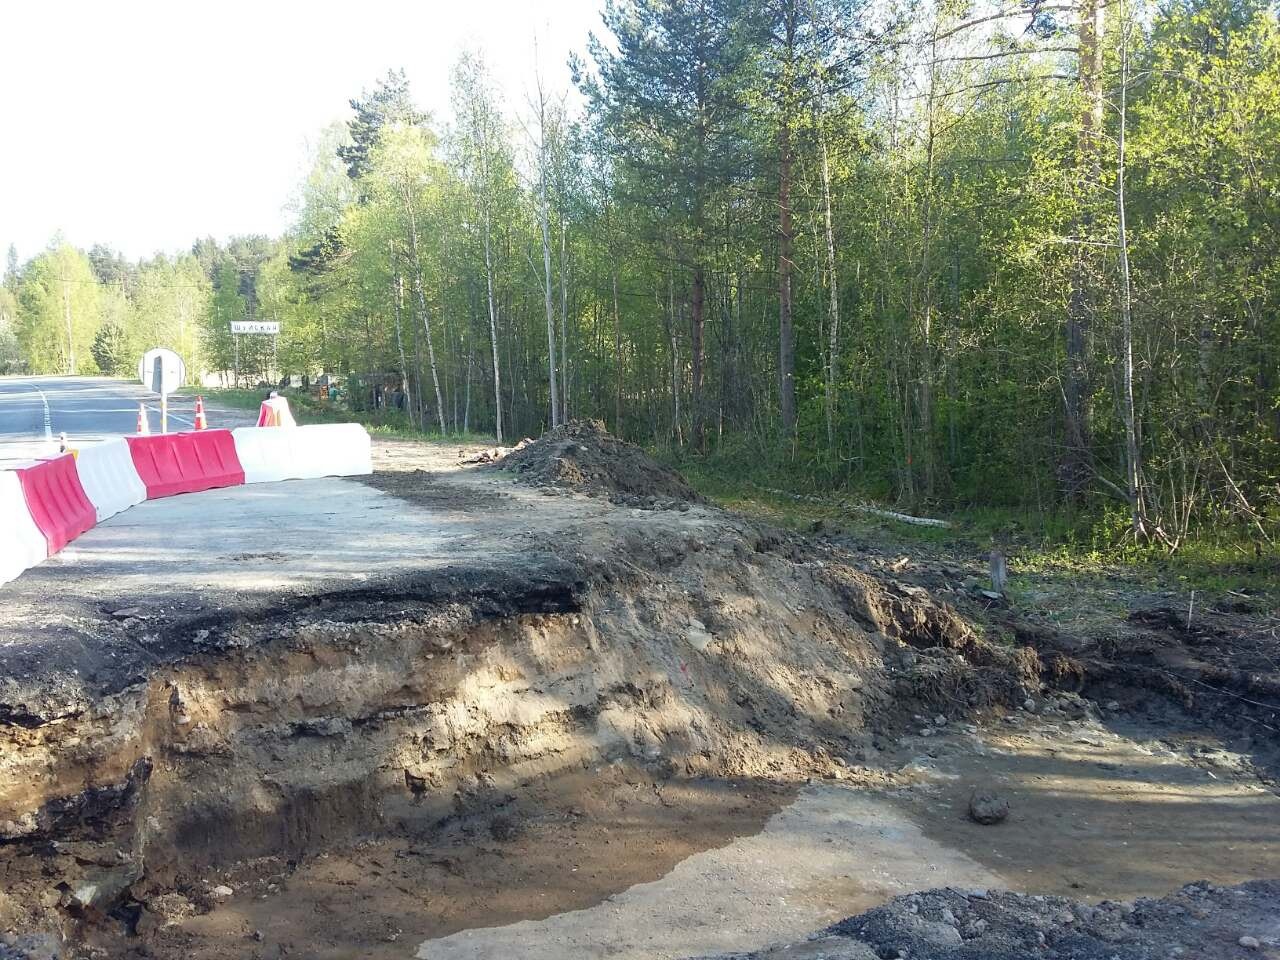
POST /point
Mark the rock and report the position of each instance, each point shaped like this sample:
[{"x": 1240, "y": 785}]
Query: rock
[
  {"x": 103, "y": 887},
  {"x": 987, "y": 808},
  {"x": 1029, "y": 705},
  {"x": 1249, "y": 943},
  {"x": 221, "y": 892},
  {"x": 698, "y": 636}
]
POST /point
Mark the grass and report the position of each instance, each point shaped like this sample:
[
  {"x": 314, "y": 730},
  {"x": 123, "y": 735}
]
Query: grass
[
  {"x": 1220, "y": 559},
  {"x": 1060, "y": 544},
  {"x": 393, "y": 424}
]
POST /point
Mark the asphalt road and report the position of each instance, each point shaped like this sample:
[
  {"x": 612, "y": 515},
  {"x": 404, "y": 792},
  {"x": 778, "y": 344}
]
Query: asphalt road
[{"x": 35, "y": 410}]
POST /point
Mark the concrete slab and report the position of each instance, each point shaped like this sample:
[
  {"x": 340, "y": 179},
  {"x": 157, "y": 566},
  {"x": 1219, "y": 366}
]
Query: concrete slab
[{"x": 256, "y": 539}]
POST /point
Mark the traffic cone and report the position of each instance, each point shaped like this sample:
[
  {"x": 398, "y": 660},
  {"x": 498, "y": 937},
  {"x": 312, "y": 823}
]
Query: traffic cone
[
  {"x": 144, "y": 428},
  {"x": 202, "y": 422}
]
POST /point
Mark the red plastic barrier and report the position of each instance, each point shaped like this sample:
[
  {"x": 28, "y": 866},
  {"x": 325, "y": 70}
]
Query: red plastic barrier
[
  {"x": 172, "y": 463},
  {"x": 57, "y": 500}
]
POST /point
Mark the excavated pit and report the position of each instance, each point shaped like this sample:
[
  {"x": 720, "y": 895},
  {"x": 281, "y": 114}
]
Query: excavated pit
[
  {"x": 580, "y": 698},
  {"x": 385, "y": 713}
]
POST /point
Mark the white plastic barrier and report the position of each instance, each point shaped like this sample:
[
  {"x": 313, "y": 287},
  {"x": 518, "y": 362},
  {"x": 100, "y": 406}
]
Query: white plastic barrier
[
  {"x": 303, "y": 453},
  {"x": 109, "y": 477},
  {"x": 22, "y": 545}
]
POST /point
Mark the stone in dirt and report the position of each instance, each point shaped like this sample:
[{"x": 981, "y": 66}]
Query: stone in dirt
[{"x": 987, "y": 808}]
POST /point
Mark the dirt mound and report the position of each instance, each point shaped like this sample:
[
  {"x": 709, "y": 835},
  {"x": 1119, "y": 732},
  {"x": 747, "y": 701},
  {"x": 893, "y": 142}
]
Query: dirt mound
[
  {"x": 1199, "y": 920},
  {"x": 582, "y": 455}
]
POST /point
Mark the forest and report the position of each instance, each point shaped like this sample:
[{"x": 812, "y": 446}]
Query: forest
[{"x": 1018, "y": 256}]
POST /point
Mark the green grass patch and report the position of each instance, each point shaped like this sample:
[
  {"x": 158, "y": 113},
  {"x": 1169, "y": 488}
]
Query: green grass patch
[
  {"x": 1216, "y": 560},
  {"x": 307, "y": 408}
]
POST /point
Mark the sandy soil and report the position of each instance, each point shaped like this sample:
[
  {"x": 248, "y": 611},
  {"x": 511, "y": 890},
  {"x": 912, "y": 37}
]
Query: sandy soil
[
  {"x": 586, "y": 727},
  {"x": 616, "y": 863}
]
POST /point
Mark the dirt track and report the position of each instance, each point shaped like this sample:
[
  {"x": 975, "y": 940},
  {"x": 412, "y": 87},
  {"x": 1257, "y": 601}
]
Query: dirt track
[{"x": 569, "y": 696}]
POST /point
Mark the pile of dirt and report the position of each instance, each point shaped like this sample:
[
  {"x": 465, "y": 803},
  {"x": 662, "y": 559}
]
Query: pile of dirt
[
  {"x": 1199, "y": 920},
  {"x": 583, "y": 456}
]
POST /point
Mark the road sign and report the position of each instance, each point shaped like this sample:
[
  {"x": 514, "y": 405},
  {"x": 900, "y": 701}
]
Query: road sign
[
  {"x": 162, "y": 371},
  {"x": 255, "y": 326}
]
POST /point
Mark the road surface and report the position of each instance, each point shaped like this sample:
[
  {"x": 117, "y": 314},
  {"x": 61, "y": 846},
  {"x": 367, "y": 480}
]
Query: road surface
[{"x": 35, "y": 410}]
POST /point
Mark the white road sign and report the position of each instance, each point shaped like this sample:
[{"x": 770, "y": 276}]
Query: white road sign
[
  {"x": 255, "y": 326},
  {"x": 162, "y": 371}
]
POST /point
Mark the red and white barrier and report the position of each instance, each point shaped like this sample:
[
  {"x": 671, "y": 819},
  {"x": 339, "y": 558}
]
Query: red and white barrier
[
  {"x": 269, "y": 454},
  {"x": 56, "y": 500},
  {"x": 173, "y": 463},
  {"x": 45, "y": 506},
  {"x": 109, "y": 478},
  {"x": 23, "y": 544}
]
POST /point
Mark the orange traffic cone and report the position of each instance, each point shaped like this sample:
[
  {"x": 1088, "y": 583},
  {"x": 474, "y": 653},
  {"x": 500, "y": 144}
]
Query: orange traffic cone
[
  {"x": 202, "y": 422},
  {"x": 144, "y": 428}
]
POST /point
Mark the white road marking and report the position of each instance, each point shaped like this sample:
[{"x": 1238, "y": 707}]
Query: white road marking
[
  {"x": 172, "y": 415},
  {"x": 48, "y": 420}
]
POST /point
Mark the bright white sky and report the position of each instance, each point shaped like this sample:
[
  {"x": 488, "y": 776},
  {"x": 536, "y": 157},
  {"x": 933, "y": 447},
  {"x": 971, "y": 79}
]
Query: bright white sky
[{"x": 143, "y": 124}]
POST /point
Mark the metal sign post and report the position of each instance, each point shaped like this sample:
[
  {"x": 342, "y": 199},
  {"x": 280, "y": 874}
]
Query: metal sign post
[
  {"x": 259, "y": 327},
  {"x": 162, "y": 371}
]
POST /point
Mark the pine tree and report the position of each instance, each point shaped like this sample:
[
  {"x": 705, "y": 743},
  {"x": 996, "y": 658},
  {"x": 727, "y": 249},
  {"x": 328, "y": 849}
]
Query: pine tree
[
  {"x": 388, "y": 103},
  {"x": 672, "y": 95}
]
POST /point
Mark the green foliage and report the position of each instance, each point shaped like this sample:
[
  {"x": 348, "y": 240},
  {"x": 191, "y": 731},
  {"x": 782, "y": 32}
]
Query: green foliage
[
  {"x": 942, "y": 195},
  {"x": 11, "y": 358},
  {"x": 59, "y": 309},
  {"x": 110, "y": 350}
]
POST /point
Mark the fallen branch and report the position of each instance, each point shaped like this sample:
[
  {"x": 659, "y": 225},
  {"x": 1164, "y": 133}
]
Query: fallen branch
[{"x": 860, "y": 508}]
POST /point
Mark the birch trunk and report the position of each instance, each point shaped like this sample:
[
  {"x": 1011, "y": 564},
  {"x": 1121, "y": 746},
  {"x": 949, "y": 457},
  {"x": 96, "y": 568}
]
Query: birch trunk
[
  {"x": 1132, "y": 462},
  {"x": 493, "y": 327},
  {"x": 564, "y": 321},
  {"x": 544, "y": 222},
  {"x": 422, "y": 305},
  {"x": 404, "y": 364},
  {"x": 833, "y": 348},
  {"x": 1075, "y": 467}
]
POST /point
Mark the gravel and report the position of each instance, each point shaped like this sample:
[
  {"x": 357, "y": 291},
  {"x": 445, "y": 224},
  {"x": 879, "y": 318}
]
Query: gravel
[{"x": 1200, "y": 920}]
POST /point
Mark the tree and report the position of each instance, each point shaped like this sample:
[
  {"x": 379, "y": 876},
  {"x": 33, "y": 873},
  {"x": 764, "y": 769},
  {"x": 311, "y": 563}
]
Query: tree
[
  {"x": 1076, "y": 466},
  {"x": 110, "y": 349},
  {"x": 546, "y": 132},
  {"x": 484, "y": 164},
  {"x": 226, "y": 305},
  {"x": 402, "y": 178},
  {"x": 11, "y": 358},
  {"x": 671, "y": 91},
  {"x": 387, "y": 104},
  {"x": 58, "y": 311}
]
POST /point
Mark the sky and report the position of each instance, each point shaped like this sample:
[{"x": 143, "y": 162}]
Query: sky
[{"x": 144, "y": 125}]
